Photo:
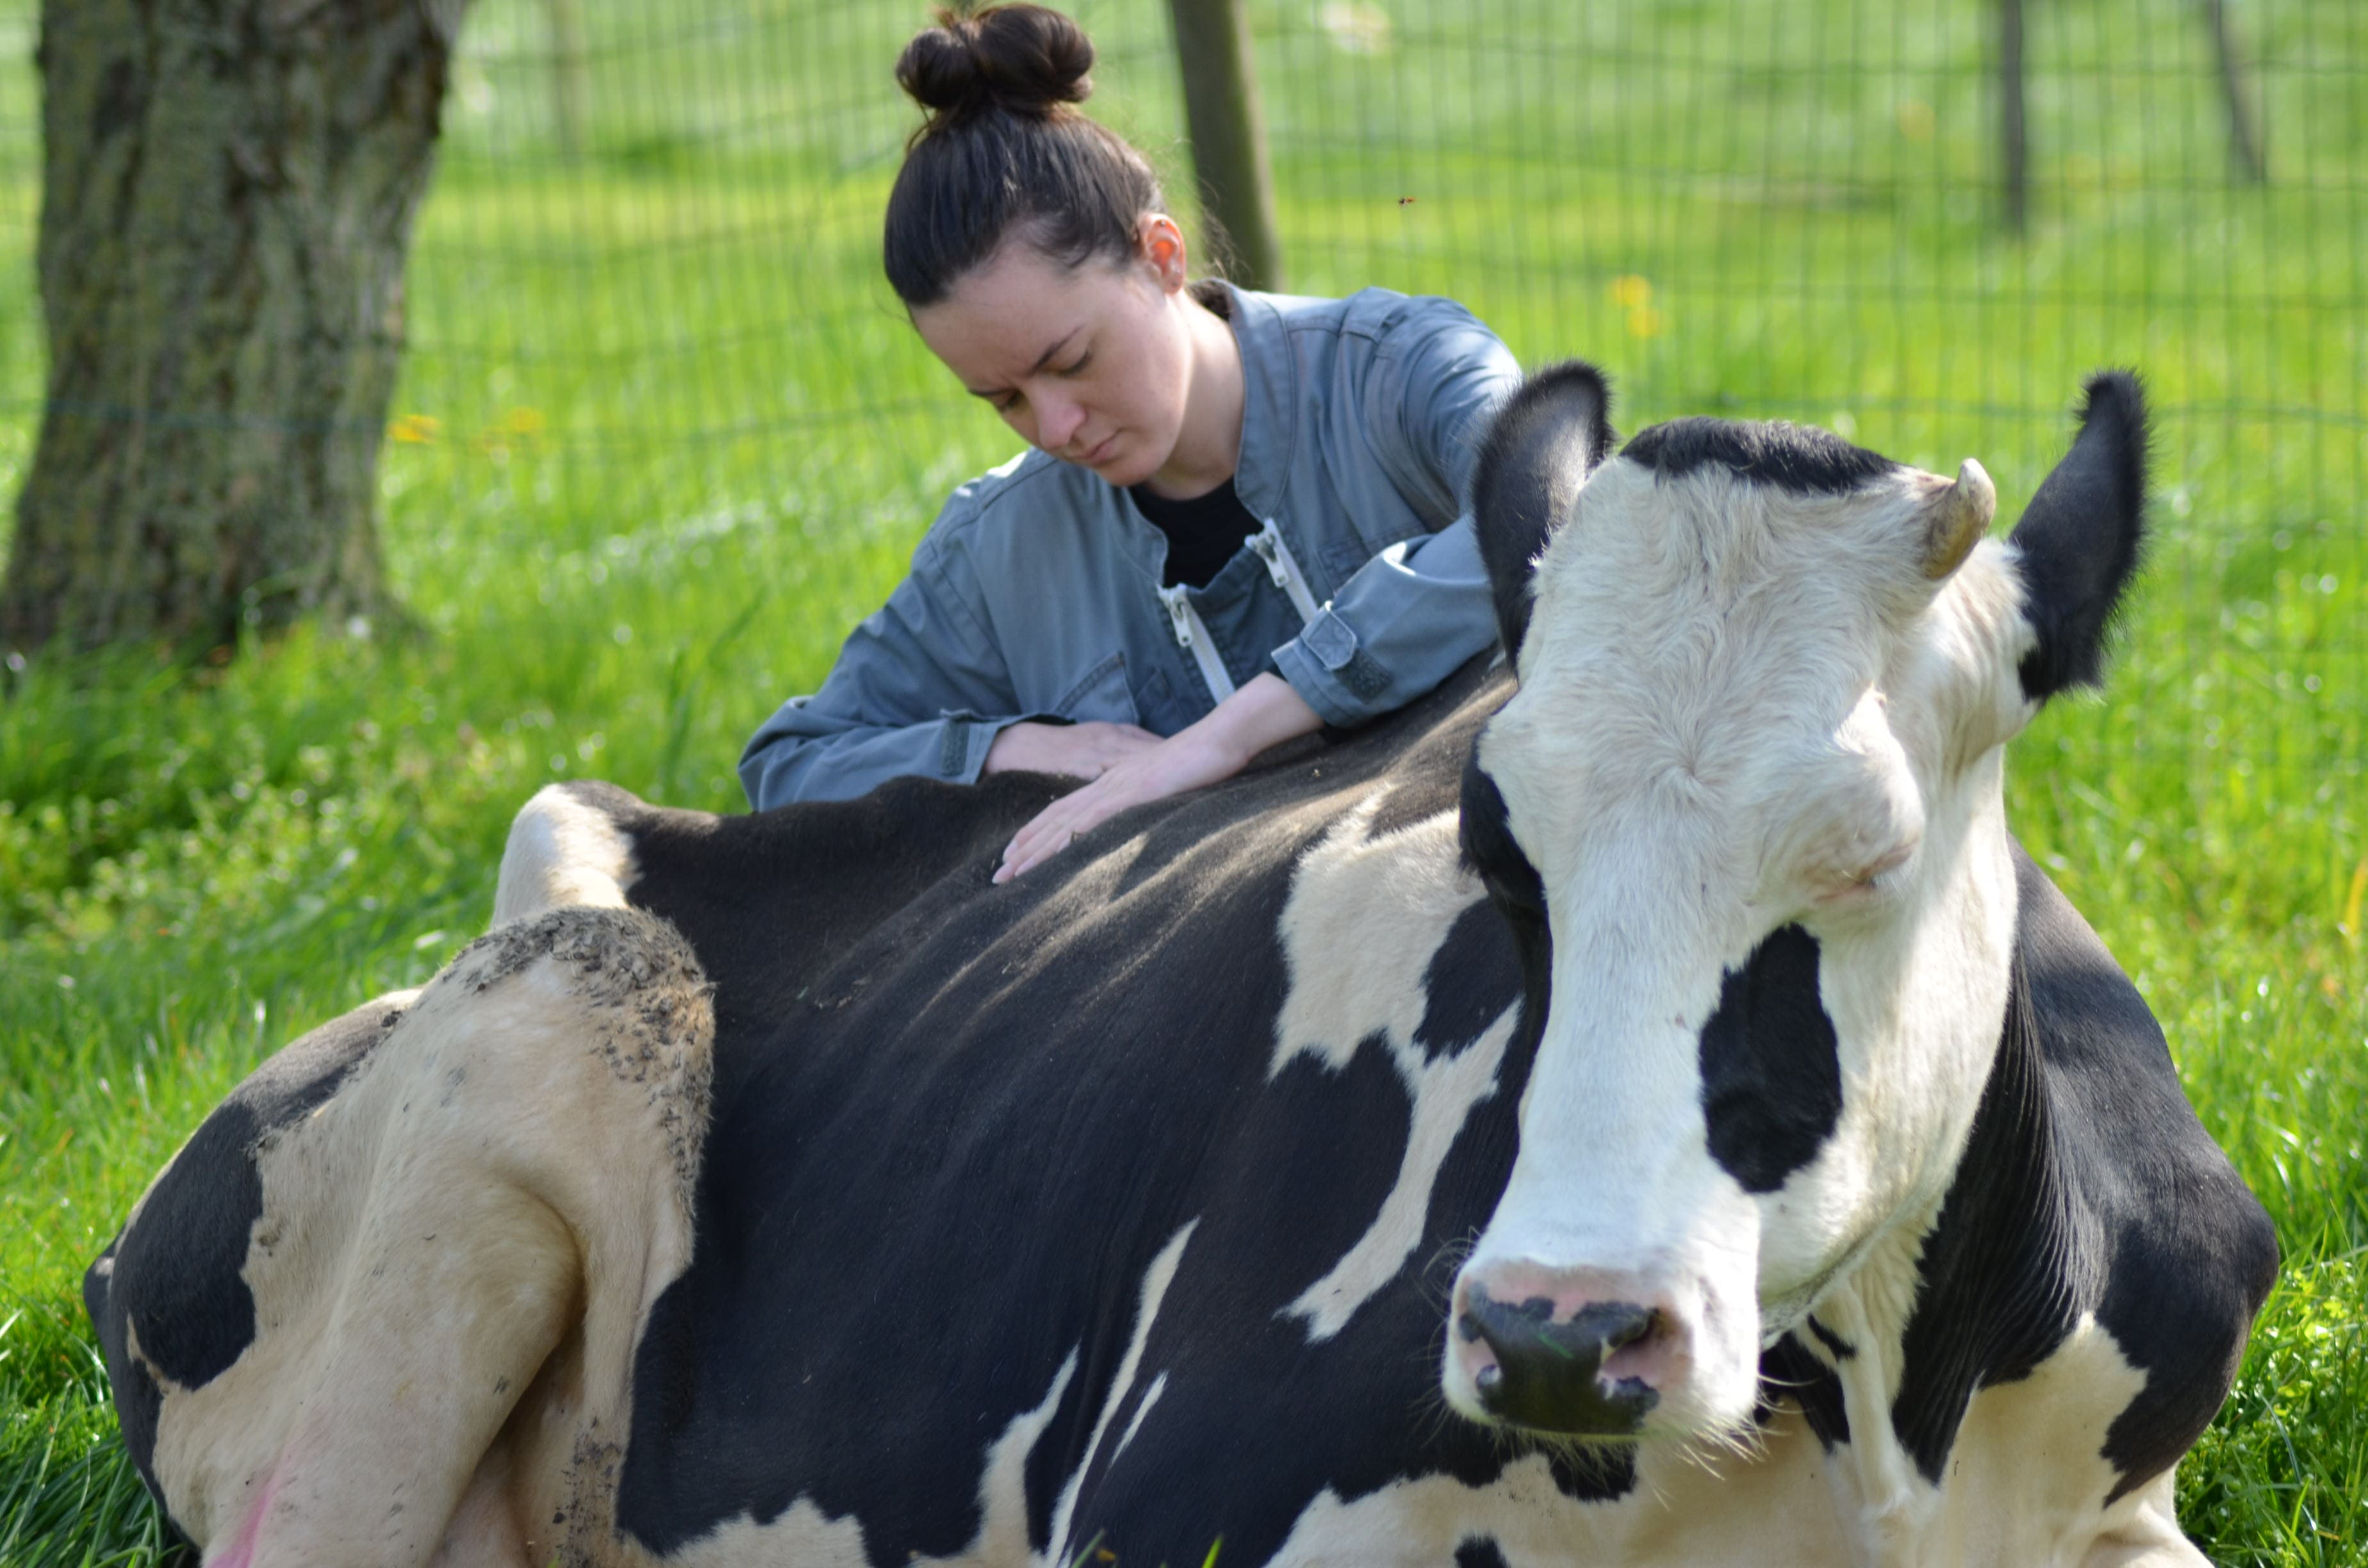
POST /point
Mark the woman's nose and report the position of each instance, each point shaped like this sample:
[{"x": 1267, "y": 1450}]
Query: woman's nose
[{"x": 1057, "y": 419}]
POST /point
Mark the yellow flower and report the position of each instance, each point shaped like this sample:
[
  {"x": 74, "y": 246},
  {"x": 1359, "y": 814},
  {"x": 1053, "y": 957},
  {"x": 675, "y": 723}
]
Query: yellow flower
[
  {"x": 1644, "y": 321},
  {"x": 413, "y": 430},
  {"x": 523, "y": 422},
  {"x": 1631, "y": 293}
]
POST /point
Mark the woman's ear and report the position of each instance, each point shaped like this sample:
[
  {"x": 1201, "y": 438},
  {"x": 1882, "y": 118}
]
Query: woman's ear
[{"x": 1160, "y": 242}]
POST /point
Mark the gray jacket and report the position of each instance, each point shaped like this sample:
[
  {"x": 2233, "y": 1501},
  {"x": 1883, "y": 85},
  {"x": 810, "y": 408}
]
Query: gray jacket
[{"x": 1036, "y": 594}]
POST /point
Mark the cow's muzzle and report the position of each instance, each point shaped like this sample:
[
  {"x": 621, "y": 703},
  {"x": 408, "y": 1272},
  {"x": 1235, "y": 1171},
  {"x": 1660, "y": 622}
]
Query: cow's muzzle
[{"x": 1550, "y": 1376}]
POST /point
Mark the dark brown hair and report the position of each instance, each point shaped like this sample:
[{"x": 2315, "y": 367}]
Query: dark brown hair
[{"x": 1006, "y": 148}]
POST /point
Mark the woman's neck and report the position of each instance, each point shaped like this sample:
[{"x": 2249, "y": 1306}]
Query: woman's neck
[{"x": 1209, "y": 447}]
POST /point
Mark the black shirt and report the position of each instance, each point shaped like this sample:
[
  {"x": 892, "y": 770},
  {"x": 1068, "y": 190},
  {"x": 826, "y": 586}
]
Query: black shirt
[{"x": 1203, "y": 533}]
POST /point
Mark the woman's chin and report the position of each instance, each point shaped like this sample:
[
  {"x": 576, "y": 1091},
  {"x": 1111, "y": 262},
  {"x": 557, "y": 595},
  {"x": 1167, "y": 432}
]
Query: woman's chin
[{"x": 1123, "y": 468}]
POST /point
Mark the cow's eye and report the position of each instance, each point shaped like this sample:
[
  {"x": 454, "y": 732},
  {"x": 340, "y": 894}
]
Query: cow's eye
[{"x": 1868, "y": 881}]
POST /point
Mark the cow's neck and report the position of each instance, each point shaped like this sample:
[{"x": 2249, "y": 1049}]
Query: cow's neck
[{"x": 1974, "y": 1294}]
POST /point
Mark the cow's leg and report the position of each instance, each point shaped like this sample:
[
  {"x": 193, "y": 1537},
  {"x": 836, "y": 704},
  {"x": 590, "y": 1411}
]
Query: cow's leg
[{"x": 510, "y": 1173}]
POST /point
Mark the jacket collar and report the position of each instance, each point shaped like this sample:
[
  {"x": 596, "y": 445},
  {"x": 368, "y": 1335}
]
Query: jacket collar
[{"x": 1269, "y": 401}]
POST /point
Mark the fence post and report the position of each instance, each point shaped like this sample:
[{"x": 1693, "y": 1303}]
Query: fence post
[
  {"x": 2013, "y": 132},
  {"x": 2242, "y": 140},
  {"x": 1228, "y": 132},
  {"x": 567, "y": 72}
]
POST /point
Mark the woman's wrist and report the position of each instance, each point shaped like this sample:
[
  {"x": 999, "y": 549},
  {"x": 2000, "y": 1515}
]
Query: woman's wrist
[{"x": 1259, "y": 716}]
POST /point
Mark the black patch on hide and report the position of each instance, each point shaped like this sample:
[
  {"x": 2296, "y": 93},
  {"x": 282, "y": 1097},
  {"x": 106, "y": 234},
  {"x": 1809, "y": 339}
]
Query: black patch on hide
[
  {"x": 1797, "y": 458},
  {"x": 1771, "y": 1076}
]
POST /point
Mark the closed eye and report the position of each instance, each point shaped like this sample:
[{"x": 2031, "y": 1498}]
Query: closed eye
[{"x": 1868, "y": 881}]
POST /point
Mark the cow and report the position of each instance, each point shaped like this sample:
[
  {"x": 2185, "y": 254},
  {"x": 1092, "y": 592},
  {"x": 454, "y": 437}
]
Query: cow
[{"x": 1638, "y": 1105}]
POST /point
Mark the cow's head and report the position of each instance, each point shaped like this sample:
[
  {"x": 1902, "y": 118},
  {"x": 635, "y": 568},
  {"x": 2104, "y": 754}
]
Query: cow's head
[{"x": 1743, "y": 817}]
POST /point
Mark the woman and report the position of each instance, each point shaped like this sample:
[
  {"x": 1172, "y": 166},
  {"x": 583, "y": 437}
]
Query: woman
[{"x": 1240, "y": 519}]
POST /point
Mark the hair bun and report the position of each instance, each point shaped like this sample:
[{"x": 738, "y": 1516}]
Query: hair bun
[{"x": 1027, "y": 59}]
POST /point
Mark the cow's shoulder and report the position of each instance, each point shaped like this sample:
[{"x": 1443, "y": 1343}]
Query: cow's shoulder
[
  {"x": 2183, "y": 1254},
  {"x": 173, "y": 1282},
  {"x": 2089, "y": 1198}
]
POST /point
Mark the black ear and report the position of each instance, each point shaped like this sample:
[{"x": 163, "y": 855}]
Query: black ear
[
  {"x": 1542, "y": 442},
  {"x": 2079, "y": 538}
]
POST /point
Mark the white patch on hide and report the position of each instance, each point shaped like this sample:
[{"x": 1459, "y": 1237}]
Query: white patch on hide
[
  {"x": 1134, "y": 1422},
  {"x": 1156, "y": 1280},
  {"x": 809, "y": 1537},
  {"x": 1003, "y": 1486},
  {"x": 1364, "y": 920},
  {"x": 1687, "y": 1511},
  {"x": 802, "y": 1534}
]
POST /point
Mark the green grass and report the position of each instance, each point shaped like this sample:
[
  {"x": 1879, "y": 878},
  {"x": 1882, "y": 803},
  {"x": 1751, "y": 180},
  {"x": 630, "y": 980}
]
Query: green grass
[{"x": 672, "y": 439}]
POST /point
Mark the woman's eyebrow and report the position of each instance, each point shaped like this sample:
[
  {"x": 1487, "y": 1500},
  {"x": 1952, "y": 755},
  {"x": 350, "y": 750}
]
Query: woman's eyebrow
[{"x": 1042, "y": 361}]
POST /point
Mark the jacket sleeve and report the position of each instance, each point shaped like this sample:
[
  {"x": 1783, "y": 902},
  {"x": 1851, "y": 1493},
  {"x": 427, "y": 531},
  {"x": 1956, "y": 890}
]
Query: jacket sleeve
[
  {"x": 920, "y": 687},
  {"x": 1414, "y": 614}
]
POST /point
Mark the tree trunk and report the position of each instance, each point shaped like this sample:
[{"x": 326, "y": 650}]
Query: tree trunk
[{"x": 228, "y": 190}]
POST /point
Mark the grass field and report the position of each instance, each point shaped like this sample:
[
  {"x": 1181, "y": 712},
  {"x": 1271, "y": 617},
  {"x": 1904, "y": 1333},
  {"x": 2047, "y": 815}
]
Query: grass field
[{"x": 662, "y": 437}]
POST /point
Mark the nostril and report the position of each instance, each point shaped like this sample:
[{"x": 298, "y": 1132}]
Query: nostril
[
  {"x": 1618, "y": 1334},
  {"x": 1469, "y": 1327}
]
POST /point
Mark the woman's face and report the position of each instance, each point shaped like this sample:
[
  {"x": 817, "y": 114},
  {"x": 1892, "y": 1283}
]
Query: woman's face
[{"x": 1092, "y": 363}]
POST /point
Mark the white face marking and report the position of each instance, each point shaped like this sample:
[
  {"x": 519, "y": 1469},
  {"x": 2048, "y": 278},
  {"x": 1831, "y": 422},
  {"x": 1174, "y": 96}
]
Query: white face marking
[
  {"x": 1364, "y": 919},
  {"x": 1740, "y": 708}
]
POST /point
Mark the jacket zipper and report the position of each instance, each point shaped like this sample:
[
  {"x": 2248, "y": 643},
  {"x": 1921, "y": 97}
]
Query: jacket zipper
[
  {"x": 1193, "y": 637},
  {"x": 1284, "y": 570}
]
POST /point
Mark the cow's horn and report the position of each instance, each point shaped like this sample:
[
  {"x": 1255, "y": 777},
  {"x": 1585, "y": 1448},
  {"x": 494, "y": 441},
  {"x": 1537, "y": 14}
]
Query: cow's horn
[{"x": 1959, "y": 517}]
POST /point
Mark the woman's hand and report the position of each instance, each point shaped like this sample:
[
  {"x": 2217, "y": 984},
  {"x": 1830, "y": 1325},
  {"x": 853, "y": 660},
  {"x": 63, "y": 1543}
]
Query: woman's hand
[
  {"x": 1264, "y": 713},
  {"x": 1081, "y": 751}
]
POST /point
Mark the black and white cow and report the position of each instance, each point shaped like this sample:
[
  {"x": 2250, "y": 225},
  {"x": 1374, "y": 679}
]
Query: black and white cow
[{"x": 1640, "y": 1107}]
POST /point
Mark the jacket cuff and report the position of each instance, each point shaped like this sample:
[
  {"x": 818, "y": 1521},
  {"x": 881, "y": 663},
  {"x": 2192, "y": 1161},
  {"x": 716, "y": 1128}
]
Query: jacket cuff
[
  {"x": 1333, "y": 673},
  {"x": 967, "y": 738}
]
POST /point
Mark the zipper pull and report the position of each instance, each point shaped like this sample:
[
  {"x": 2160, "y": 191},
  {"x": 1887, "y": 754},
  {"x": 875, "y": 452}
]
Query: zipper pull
[
  {"x": 1178, "y": 614},
  {"x": 1263, "y": 542}
]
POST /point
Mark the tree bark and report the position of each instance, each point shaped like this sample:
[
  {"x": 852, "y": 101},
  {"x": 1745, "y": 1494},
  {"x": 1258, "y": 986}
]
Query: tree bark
[{"x": 228, "y": 192}]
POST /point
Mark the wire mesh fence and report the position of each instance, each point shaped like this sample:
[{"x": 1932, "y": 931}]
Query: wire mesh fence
[{"x": 645, "y": 318}]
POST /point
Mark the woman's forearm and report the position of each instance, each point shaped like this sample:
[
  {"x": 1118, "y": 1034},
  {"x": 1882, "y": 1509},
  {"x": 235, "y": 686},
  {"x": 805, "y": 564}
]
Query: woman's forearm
[{"x": 1265, "y": 712}]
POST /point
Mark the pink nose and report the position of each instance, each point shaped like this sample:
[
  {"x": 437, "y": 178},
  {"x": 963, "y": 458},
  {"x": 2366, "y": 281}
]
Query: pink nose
[{"x": 1577, "y": 1351}]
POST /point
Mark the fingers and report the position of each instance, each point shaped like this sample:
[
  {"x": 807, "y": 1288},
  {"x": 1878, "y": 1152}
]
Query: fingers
[
  {"x": 1124, "y": 777},
  {"x": 1034, "y": 844},
  {"x": 1029, "y": 846},
  {"x": 1053, "y": 829}
]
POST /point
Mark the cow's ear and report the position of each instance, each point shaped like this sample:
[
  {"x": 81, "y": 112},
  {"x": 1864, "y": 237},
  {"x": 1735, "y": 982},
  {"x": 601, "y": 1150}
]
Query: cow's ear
[
  {"x": 2078, "y": 540},
  {"x": 1541, "y": 445}
]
